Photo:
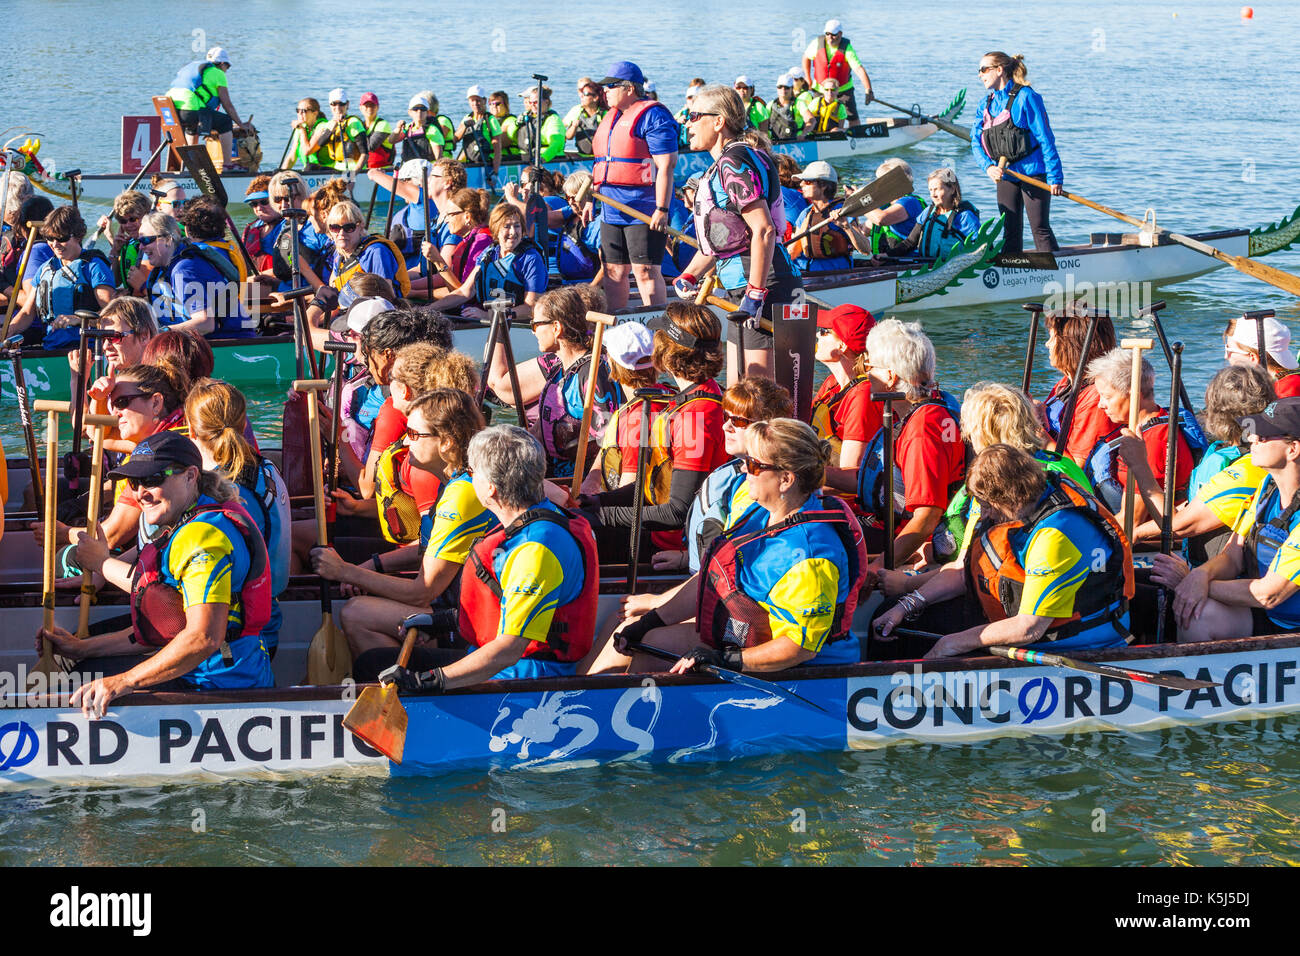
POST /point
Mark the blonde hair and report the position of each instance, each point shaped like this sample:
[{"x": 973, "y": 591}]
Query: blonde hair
[
  {"x": 292, "y": 181},
  {"x": 131, "y": 202},
  {"x": 1012, "y": 67},
  {"x": 792, "y": 446},
  {"x": 996, "y": 414},
  {"x": 452, "y": 369},
  {"x": 216, "y": 413},
  {"x": 346, "y": 211},
  {"x": 724, "y": 101}
]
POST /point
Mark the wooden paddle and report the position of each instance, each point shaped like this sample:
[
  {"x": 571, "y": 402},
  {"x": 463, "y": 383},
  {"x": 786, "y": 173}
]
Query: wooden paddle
[
  {"x": 378, "y": 716},
  {"x": 581, "y": 198},
  {"x": 22, "y": 270},
  {"x": 98, "y": 423},
  {"x": 580, "y": 460},
  {"x": 895, "y": 184},
  {"x": 329, "y": 660},
  {"x": 1134, "y": 409},
  {"x": 46, "y": 664}
]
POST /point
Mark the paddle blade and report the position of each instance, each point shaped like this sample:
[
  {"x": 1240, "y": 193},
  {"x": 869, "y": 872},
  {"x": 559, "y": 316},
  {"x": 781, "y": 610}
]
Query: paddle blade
[
  {"x": 379, "y": 719},
  {"x": 1273, "y": 276},
  {"x": 328, "y": 659}
]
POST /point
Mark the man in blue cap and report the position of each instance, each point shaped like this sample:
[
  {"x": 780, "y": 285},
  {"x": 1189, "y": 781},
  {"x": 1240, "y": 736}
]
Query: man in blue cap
[{"x": 635, "y": 149}]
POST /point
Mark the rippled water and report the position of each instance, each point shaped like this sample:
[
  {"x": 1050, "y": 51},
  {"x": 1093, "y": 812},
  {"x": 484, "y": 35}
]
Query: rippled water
[{"x": 1176, "y": 105}]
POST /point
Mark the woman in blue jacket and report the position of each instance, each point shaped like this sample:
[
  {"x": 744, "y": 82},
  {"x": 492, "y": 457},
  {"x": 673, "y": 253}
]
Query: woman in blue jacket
[{"x": 1013, "y": 123}]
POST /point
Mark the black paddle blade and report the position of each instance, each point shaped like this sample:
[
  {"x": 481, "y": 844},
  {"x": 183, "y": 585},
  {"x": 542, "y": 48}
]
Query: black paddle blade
[{"x": 199, "y": 165}]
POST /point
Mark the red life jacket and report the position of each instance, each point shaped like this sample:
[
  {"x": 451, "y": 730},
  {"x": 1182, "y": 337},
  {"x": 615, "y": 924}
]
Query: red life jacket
[
  {"x": 837, "y": 68},
  {"x": 254, "y": 233},
  {"x": 573, "y": 628},
  {"x": 621, "y": 158},
  {"x": 721, "y": 597},
  {"x": 157, "y": 614}
]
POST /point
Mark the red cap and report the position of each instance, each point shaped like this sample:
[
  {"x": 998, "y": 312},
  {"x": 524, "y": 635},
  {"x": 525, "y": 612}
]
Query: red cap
[
  {"x": 850, "y": 323},
  {"x": 369, "y": 99}
]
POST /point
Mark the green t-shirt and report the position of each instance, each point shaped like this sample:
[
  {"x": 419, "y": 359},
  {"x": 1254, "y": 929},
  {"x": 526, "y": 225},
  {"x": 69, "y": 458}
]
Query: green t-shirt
[
  {"x": 758, "y": 113},
  {"x": 301, "y": 138},
  {"x": 508, "y": 128},
  {"x": 383, "y": 127},
  {"x": 213, "y": 79},
  {"x": 805, "y": 104}
]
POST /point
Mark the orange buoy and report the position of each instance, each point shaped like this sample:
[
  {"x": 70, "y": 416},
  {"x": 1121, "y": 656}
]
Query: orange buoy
[{"x": 1247, "y": 12}]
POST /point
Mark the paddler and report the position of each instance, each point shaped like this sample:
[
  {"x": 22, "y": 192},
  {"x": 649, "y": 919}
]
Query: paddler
[
  {"x": 376, "y": 131},
  {"x": 420, "y": 137},
  {"x": 828, "y": 247},
  {"x": 73, "y": 278},
  {"x": 831, "y": 57},
  {"x": 507, "y": 123},
  {"x": 1013, "y": 124},
  {"x": 581, "y": 121},
  {"x": 828, "y": 111},
  {"x": 303, "y": 132},
  {"x": 265, "y": 219},
  {"x": 191, "y": 286},
  {"x": 342, "y": 137},
  {"x": 529, "y": 608},
  {"x": 479, "y": 133},
  {"x": 1241, "y": 347},
  {"x": 200, "y": 592},
  {"x": 893, "y": 222},
  {"x": 552, "y": 128},
  {"x": 1049, "y": 566},
  {"x": 842, "y": 410},
  {"x": 197, "y": 92},
  {"x": 784, "y": 119},
  {"x": 636, "y": 153},
  {"x": 756, "y": 111},
  {"x": 944, "y": 223},
  {"x": 129, "y": 208}
]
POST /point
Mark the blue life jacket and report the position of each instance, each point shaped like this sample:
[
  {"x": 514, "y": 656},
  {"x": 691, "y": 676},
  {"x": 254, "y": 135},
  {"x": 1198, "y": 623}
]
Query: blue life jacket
[
  {"x": 1102, "y": 465},
  {"x": 574, "y": 259},
  {"x": 871, "y": 475},
  {"x": 1266, "y": 537},
  {"x": 266, "y": 499},
  {"x": 62, "y": 289},
  {"x": 491, "y": 276},
  {"x": 938, "y": 237}
]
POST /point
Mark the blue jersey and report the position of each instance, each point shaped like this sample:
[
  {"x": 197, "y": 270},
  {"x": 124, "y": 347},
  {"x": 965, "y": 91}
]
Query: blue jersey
[
  {"x": 190, "y": 284},
  {"x": 660, "y": 131}
]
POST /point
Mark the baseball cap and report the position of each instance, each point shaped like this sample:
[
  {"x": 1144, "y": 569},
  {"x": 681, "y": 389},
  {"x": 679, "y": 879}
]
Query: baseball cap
[
  {"x": 833, "y": 26},
  {"x": 692, "y": 90},
  {"x": 630, "y": 344},
  {"x": 476, "y": 90},
  {"x": 850, "y": 323},
  {"x": 828, "y": 84},
  {"x": 784, "y": 80},
  {"x": 742, "y": 80},
  {"x": 417, "y": 100},
  {"x": 164, "y": 449},
  {"x": 1282, "y": 418},
  {"x": 339, "y": 95},
  {"x": 819, "y": 169},
  {"x": 410, "y": 170},
  {"x": 624, "y": 71},
  {"x": 360, "y": 313},
  {"x": 662, "y": 323},
  {"x": 218, "y": 54},
  {"x": 1277, "y": 339},
  {"x": 369, "y": 99}
]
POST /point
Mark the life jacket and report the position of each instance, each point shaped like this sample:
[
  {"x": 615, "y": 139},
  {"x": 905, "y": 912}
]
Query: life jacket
[
  {"x": 528, "y": 127},
  {"x": 317, "y": 157},
  {"x": 573, "y": 627},
  {"x": 574, "y": 259},
  {"x": 446, "y": 127},
  {"x": 939, "y": 236},
  {"x": 399, "y": 517},
  {"x": 268, "y": 492},
  {"x": 1001, "y": 136},
  {"x": 783, "y": 123},
  {"x": 1266, "y": 537},
  {"x": 157, "y": 613},
  {"x": 896, "y": 231},
  {"x": 381, "y": 155},
  {"x": 826, "y": 241},
  {"x": 754, "y": 112},
  {"x": 351, "y": 266},
  {"x": 621, "y": 158},
  {"x": 996, "y": 578},
  {"x": 659, "y": 471},
  {"x": 468, "y": 250},
  {"x": 721, "y": 230},
  {"x": 226, "y": 310},
  {"x": 57, "y": 276},
  {"x": 475, "y": 145},
  {"x": 711, "y": 512},
  {"x": 254, "y": 235},
  {"x": 416, "y": 146},
  {"x": 559, "y": 430},
  {"x": 230, "y": 252},
  {"x": 492, "y": 277},
  {"x": 1102, "y": 465},
  {"x": 1218, "y": 456},
  {"x": 837, "y": 67},
  {"x": 339, "y": 149},
  {"x": 613, "y": 455},
  {"x": 584, "y": 134},
  {"x": 282, "y": 252},
  {"x": 828, "y": 115},
  {"x": 871, "y": 476},
  {"x": 822, "y": 418},
  {"x": 192, "y": 76},
  {"x": 721, "y": 597}
]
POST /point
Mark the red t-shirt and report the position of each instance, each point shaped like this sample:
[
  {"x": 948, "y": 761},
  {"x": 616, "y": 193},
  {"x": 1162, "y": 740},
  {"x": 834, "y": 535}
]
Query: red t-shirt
[
  {"x": 695, "y": 432},
  {"x": 1156, "y": 439},
  {"x": 856, "y": 417},
  {"x": 931, "y": 456},
  {"x": 628, "y": 427},
  {"x": 390, "y": 426},
  {"x": 1089, "y": 424},
  {"x": 1288, "y": 386}
]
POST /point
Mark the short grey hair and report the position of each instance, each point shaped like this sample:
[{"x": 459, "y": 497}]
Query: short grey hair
[
  {"x": 1115, "y": 368},
  {"x": 948, "y": 175},
  {"x": 904, "y": 349},
  {"x": 512, "y": 460},
  {"x": 162, "y": 224},
  {"x": 19, "y": 190},
  {"x": 895, "y": 163}
]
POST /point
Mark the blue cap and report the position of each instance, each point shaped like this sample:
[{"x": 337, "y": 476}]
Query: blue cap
[
  {"x": 253, "y": 197},
  {"x": 624, "y": 70}
]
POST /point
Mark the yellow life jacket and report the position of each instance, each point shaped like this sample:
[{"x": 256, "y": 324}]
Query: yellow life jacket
[
  {"x": 352, "y": 265},
  {"x": 340, "y": 150},
  {"x": 659, "y": 471},
  {"x": 826, "y": 114},
  {"x": 399, "y": 518},
  {"x": 823, "y": 416},
  {"x": 232, "y": 250}
]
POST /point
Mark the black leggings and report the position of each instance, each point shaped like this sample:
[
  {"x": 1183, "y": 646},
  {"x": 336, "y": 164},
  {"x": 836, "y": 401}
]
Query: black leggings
[{"x": 1014, "y": 196}]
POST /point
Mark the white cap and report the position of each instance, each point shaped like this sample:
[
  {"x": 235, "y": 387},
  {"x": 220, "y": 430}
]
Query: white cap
[
  {"x": 819, "y": 169},
  {"x": 410, "y": 170},
  {"x": 476, "y": 90},
  {"x": 339, "y": 95},
  {"x": 649, "y": 86},
  {"x": 833, "y": 26},
  {"x": 630, "y": 345},
  {"x": 360, "y": 314},
  {"x": 1277, "y": 339},
  {"x": 693, "y": 89},
  {"x": 742, "y": 80},
  {"x": 784, "y": 80},
  {"x": 417, "y": 100},
  {"x": 218, "y": 54}
]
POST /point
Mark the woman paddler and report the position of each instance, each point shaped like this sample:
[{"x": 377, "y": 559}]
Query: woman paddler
[
  {"x": 1013, "y": 124},
  {"x": 797, "y": 569},
  {"x": 948, "y": 220},
  {"x": 842, "y": 410},
  {"x": 739, "y": 218},
  {"x": 1241, "y": 347},
  {"x": 1066, "y": 332}
]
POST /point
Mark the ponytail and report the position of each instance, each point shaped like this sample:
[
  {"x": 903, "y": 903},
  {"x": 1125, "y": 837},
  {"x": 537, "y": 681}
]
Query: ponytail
[
  {"x": 216, "y": 412},
  {"x": 1013, "y": 67}
]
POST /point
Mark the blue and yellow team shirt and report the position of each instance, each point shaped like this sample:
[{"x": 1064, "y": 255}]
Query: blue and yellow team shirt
[
  {"x": 540, "y": 569},
  {"x": 459, "y": 520},
  {"x": 1286, "y": 561},
  {"x": 208, "y": 562},
  {"x": 1228, "y": 493},
  {"x": 798, "y": 576},
  {"x": 1057, "y": 554}
]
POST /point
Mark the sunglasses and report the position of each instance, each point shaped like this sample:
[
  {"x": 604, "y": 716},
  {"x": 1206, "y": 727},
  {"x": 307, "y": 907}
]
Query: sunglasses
[
  {"x": 413, "y": 435},
  {"x": 152, "y": 481},
  {"x": 113, "y": 338},
  {"x": 259, "y": 203},
  {"x": 418, "y": 109},
  {"x": 125, "y": 219},
  {"x": 147, "y": 241},
  {"x": 344, "y": 227},
  {"x": 987, "y": 69},
  {"x": 119, "y": 402},
  {"x": 337, "y": 103},
  {"x": 694, "y": 117},
  {"x": 736, "y": 421},
  {"x": 756, "y": 467},
  {"x": 283, "y": 197},
  {"x": 301, "y": 110},
  {"x": 57, "y": 238}
]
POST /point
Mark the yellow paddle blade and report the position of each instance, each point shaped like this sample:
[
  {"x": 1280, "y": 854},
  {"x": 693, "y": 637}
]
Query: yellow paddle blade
[
  {"x": 379, "y": 719},
  {"x": 328, "y": 658}
]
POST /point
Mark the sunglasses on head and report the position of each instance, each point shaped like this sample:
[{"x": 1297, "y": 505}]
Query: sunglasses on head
[
  {"x": 344, "y": 227},
  {"x": 119, "y": 402},
  {"x": 153, "y": 481},
  {"x": 756, "y": 467}
]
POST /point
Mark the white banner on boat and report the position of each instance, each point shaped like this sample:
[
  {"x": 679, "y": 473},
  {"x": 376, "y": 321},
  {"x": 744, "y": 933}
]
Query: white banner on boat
[
  {"x": 50, "y": 745},
  {"x": 1018, "y": 701}
]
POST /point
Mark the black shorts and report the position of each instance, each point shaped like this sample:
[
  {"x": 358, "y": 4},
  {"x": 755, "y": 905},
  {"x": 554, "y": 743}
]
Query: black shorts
[
  {"x": 637, "y": 244},
  {"x": 202, "y": 122},
  {"x": 1261, "y": 625},
  {"x": 780, "y": 293}
]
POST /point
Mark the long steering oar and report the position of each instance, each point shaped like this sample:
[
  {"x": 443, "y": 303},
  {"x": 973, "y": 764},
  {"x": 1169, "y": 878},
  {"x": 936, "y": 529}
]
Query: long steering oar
[
  {"x": 589, "y": 191},
  {"x": 378, "y": 716},
  {"x": 730, "y": 676},
  {"x": 580, "y": 460},
  {"x": 1273, "y": 276},
  {"x": 328, "y": 659}
]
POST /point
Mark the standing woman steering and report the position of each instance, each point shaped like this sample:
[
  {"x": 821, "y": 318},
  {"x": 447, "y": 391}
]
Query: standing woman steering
[{"x": 1014, "y": 124}]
